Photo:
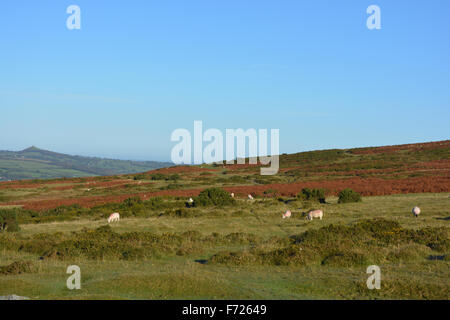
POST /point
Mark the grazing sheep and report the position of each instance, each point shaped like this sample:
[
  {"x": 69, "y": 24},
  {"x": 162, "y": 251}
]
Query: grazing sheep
[
  {"x": 287, "y": 214},
  {"x": 416, "y": 211},
  {"x": 250, "y": 197},
  {"x": 189, "y": 203},
  {"x": 114, "y": 217},
  {"x": 232, "y": 194},
  {"x": 315, "y": 214}
]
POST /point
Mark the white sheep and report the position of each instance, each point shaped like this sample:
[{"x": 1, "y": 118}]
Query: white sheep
[
  {"x": 416, "y": 211},
  {"x": 250, "y": 197},
  {"x": 287, "y": 215},
  {"x": 114, "y": 217},
  {"x": 315, "y": 214}
]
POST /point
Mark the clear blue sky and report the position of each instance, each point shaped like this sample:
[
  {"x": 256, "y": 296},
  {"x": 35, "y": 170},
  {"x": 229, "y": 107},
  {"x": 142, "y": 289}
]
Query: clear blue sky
[{"x": 137, "y": 70}]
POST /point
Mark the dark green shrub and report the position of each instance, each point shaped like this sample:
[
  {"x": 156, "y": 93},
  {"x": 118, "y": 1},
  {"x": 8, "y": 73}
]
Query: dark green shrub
[
  {"x": 174, "y": 177},
  {"x": 16, "y": 268},
  {"x": 8, "y": 221},
  {"x": 349, "y": 195},
  {"x": 133, "y": 254},
  {"x": 235, "y": 258},
  {"x": 271, "y": 193},
  {"x": 65, "y": 209},
  {"x": 154, "y": 203},
  {"x": 262, "y": 181},
  {"x": 133, "y": 206},
  {"x": 141, "y": 176},
  {"x": 346, "y": 258},
  {"x": 158, "y": 176},
  {"x": 359, "y": 244},
  {"x": 132, "y": 202},
  {"x": 214, "y": 197},
  {"x": 317, "y": 195}
]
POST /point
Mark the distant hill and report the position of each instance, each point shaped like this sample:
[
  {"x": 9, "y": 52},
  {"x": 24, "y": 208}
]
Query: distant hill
[{"x": 35, "y": 163}]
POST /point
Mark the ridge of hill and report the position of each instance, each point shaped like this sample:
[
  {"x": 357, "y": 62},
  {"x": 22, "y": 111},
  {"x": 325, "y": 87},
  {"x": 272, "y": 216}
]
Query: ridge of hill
[{"x": 35, "y": 163}]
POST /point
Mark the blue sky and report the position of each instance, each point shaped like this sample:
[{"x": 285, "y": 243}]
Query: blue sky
[{"x": 137, "y": 70}]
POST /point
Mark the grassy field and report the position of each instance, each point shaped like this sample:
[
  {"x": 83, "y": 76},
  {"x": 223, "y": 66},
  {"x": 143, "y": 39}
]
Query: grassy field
[
  {"x": 189, "y": 257},
  {"x": 237, "y": 248}
]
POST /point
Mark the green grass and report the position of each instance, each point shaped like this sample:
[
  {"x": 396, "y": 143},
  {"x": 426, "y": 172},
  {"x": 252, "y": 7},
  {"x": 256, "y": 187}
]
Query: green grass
[
  {"x": 171, "y": 271},
  {"x": 19, "y": 169}
]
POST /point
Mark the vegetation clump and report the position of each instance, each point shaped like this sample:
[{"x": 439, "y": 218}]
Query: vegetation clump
[
  {"x": 17, "y": 267},
  {"x": 348, "y": 195},
  {"x": 104, "y": 243},
  {"x": 315, "y": 195},
  {"x": 160, "y": 176},
  {"x": 271, "y": 193},
  {"x": 368, "y": 241},
  {"x": 8, "y": 221},
  {"x": 214, "y": 197},
  {"x": 347, "y": 258}
]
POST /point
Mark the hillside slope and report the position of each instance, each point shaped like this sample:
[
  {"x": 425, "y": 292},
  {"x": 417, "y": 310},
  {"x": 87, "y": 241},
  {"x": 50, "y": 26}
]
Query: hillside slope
[
  {"x": 415, "y": 168},
  {"x": 35, "y": 163}
]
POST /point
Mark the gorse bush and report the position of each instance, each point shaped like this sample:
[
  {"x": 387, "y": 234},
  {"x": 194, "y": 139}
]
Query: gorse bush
[
  {"x": 132, "y": 202},
  {"x": 16, "y": 268},
  {"x": 262, "y": 181},
  {"x": 317, "y": 195},
  {"x": 157, "y": 176},
  {"x": 8, "y": 221},
  {"x": 160, "y": 176},
  {"x": 366, "y": 242},
  {"x": 174, "y": 177},
  {"x": 347, "y": 258},
  {"x": 214, "y": 197},
  {"x": 271, "y": 193},
  {"x": 103, "y": 242},
  {"x": 349, "y": 195}
]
